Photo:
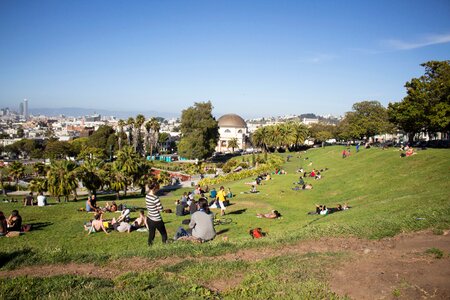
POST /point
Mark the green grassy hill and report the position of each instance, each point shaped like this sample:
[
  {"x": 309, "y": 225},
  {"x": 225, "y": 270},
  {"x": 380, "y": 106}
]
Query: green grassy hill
[{"x": 388, "y": 195}]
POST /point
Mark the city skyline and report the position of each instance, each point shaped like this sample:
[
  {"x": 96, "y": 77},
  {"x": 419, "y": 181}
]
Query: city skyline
[{"x": 251, "y": 58}]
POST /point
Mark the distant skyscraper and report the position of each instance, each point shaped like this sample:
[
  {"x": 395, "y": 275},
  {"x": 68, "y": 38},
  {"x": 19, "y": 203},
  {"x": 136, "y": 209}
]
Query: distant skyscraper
[
  {"x": 25, "y": 108},
  {"x": 21, "y": 108}
]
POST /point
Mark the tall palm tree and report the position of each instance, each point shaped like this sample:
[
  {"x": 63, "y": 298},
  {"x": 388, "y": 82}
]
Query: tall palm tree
[
  {"x": 148, "y": 128},
  {"x": 130, "y": 124},
  {"x": 155, "y": 127},
  {"x": 90, "y": 174},
  {"x": 261, "y": 138},
  {"x": 300, "y": 133},
  {"x": 127, "y": 163},
  {"x": 139, "y": 121},
  {"x": 120, "y": 124},
  {"x": 16, "y": 171},
  {"x": 62, "y": 179}
]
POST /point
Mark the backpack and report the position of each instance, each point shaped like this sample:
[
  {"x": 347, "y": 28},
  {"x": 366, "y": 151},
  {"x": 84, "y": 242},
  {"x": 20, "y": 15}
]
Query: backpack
[{"x": 256, "y": 233}]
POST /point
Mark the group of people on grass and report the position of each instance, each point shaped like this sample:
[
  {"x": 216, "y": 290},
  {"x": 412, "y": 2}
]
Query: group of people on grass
[{"x": 41, "y": 200}]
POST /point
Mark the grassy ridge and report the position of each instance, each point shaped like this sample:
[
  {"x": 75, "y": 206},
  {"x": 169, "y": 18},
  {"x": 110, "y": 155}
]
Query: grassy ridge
[{"x": 388, "y": 195}]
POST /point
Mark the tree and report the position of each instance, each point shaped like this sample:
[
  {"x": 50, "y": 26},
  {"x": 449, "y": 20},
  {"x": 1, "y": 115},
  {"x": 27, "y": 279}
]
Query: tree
[
  {"x": 16, "y": 170},
  {"x": 199, "y": 131},
  {"x": 90, "y": 173},
  {"x": 127, "y": 163},
  {"x": 103, "y": 138},
  {"x": 260, "y": 138},
  {"x": 62, "y": 179},
  {"x": 120, "y": 134},
  {"x": 130, "y": 124},
  {"x": 58, "y": 149},
  {"x": 426, "y": 107},
  {"x": 152, "y": 127},
  {"x": 137, "y": 141},
  {"x": 233, "y": 143},
  {"x": 114, "y": 178},
  {"x": 38, "y": 185},
  {"x": 367, "y": 119},
  {"x": 39, "y": 169},
  {"x": 321, "y": 132},
  {"x": 20, "y": 132},
  {"x": 299, "y": 133}
]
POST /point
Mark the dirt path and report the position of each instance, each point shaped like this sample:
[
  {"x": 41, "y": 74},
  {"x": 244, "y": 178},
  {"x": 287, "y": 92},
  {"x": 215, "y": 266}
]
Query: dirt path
[{"x": 391, "y": 268}]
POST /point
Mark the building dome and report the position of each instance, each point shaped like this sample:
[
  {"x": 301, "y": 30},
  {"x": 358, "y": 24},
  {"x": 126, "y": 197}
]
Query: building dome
[{"x": 231, "y": 120}]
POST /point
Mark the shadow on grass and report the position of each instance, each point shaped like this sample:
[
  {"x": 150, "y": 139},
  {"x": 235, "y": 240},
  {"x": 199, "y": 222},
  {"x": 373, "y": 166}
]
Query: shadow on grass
[
  {"x": 15, "y": 257},
  {"x": 222, "y": 231},
  {"x": 39, "y": 225},
  {"x": 237, "y": 212}
]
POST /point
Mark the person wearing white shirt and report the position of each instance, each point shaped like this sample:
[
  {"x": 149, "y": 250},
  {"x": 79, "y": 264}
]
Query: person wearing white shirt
[{"x": 41, "y": 199}]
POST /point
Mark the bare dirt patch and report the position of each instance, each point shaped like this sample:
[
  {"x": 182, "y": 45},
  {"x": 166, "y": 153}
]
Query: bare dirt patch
[{"x": 391, "y": 268}]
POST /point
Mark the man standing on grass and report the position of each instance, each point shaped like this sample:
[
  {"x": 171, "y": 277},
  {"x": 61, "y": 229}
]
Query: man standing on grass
[
  {"x": 221, "y": 196},
  {"x": 154, "y": 219}
]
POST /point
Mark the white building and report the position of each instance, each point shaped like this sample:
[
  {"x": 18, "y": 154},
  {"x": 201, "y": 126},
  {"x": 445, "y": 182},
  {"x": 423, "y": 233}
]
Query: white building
[{"x": 231, "y": 126}]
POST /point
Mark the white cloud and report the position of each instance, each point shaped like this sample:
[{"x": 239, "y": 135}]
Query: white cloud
[{"x": 424, "y": 42}]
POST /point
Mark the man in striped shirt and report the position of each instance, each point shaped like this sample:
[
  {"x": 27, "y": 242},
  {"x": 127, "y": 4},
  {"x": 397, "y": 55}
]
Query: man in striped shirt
[{"x": 154, "y": 209}]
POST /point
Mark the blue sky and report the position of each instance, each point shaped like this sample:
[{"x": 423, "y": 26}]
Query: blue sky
[{"x": 254, "y": 58}]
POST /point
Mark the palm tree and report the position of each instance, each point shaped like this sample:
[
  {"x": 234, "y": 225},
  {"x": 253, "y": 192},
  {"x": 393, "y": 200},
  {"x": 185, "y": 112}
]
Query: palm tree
[
  {"x": 2, "y": 178},
  {"x": 139, "y": 121},
  {"x": 127, "y": 163},
  {"x": 90, "y": 174},
  {"x": 62, "y": 179},
  {"x": 114, "y": 178},
  {"x": 154, "y": 126},
  {"x": 130, "y": 123},
  {"x": 261, "y": 138},
  {"x": 16, "y": 171},
  {"x": 233, "y": 143},
  {"x": 39, "y": 169},
  {"x": 299, "y": 132},
  {"x": 121, "y": 123},
  {"x": 38, "y": 185}
]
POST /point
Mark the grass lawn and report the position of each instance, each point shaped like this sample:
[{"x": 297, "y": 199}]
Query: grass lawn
[{"x": 388, "y": 195}]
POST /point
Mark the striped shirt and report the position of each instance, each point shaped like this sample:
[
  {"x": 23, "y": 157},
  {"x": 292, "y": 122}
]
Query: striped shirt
[{"x": 154, "y": 207}]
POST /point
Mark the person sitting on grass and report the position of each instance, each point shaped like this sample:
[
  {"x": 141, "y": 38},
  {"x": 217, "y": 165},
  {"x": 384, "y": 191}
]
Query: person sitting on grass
[
  {"x": 41, "y": 199},
  {"x": 180, "y": 209},
  {"x": 124, "y": 215},
  {"x": 91, "y": 204},
  {"x": 274, "y": 214},
  {"x": 213, "y": 193},
  {"x": 3, "y": 224},
  {"x": 202, "y": 224},
  {"x": 96, "y": 225},
  {"x": 140, "y": 222},
  {"x": 229, "y": 194},
  {"x": 14, "y": 221},
  {"x": 28, "y": 200}
]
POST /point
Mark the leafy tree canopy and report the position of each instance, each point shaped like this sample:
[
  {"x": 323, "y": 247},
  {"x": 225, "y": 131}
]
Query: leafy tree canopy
[
  {"x": 426, "y": 106},
  {"x": 199, "y": 131}
]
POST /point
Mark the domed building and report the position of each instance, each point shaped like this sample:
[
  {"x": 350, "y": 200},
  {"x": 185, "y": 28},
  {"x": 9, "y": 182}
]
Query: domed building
[{"x": 231, "y": 126}]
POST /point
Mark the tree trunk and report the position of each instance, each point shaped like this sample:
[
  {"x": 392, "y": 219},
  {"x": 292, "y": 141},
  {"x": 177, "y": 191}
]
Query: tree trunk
[
  {"x": 118, "y": 195},
  {"x": 411, "y": 137}
]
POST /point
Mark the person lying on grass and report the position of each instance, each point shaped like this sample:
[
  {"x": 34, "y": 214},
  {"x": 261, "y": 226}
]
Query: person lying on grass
[
  {"x": 96, "y": 225},
  {"x": 274, "y": 214},
  {"x": 303, "y": 187}
]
